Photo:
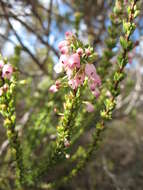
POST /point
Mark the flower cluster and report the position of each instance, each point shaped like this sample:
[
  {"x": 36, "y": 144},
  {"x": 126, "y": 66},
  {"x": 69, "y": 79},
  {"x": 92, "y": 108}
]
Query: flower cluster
[
  {"x": 77, "y": 62},
  {"x": 6, "y": 71}
]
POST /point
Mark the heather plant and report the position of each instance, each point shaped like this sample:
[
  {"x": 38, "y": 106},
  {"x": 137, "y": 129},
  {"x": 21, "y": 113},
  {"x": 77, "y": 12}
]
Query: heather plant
[{"x": 82, "y": 97}]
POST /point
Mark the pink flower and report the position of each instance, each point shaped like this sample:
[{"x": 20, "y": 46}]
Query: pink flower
[
  {"x": 79, "y": 51},
  {"x": 74, "y": 61},
  {"x": 58, "y": 84},
  {"x": 87, "y": 51},
  {"x": 93, "y": 77},
  {"x": 64, "y": 59},
  {"x": 64, "y": 50},
  {"x": 90, "y": 71},
  {"x": 7, "y": 71},
  {"x": 73, "y": 84},
  {"x": 66, "y": 143},
  {"x": 63, "y": 44},
  {"x": 89, "y": 107},
  {"x": 68, "y": 34},
  {"x": 80, "y": 78},
  {"x": 55, "y": 87},
  {"x": 1, "y": 64},
  {"x": 92, "y": 85},
  {"x": 77, "y": 80},
  {"x": 97, "y": 80},
  {"x": 69, "y": 72},
  {"x": 58, "y": 68},
  {"x": 5, "y": 87},
  {"x": 96, "y": 93}
]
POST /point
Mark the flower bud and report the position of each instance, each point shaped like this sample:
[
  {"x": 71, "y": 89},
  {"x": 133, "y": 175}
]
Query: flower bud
[{"x": 7, "y": 122}]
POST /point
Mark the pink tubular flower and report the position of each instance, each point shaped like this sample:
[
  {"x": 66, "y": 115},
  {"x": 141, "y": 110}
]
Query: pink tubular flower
[
  {"x": 63, "y": 44},
  {"x": 69, "y": 72},
  {"x": 64, "y": 59},
  {"x": 53, "y": 88},
  {"x": 89, "y": 107},
  {"x": 90, "y": 71},
  {"x": 96, "y": 93},
  {"x": 7, "y": 71},
  {"x": 66, "y": 143},
  {"x": 74, "y": 61},
  {"x": 79, "y": 51},
  {"x": 58, "y": 84},
  {"x": 93, "y": 79},
  {"x": 87, "y": 51},
  {"x": 68, "y": 34},
  {"x": 92, "y": 85},
  {"x": 80, "y": 78},
  {"x": 73, "y": 84},
  {"x": 97, "y": 80},
  {"x": 77, "y": 80},
  {"x": 5, "y": 87},
  {"x": 1, "y": 64},
  {"x": 58, "y": 68},
  {"x": 64, "y": 50}
]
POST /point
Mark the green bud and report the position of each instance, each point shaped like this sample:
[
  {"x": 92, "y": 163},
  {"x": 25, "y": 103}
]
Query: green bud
[
  {"x": 13, "y": 118},
  {"x": 11, "y": 103},
  {"x": 129, "y": 11},
  {"x": 118, "y": 76},
  {"x": 109, "y": 104},
  {"x": 137, "y": 12},
  {"x": 12, "y": 87},
  {"x": 73, "y": 172},
  {"x": 126, "y": 26},
  {"x": 118, "y": 7},
  {"x": 7, "y": 122},
  {"x": 121, "y": 61},
  {"x": 103, "y": 114},
  {"x": 123, "y": 42},
  {"x": 111, "y": 43},
  {"x": 78, "y": 15},
  {"x": 3, "y": 107},
  {"x": 9, "y": 134},
  {"x": 23, "y": 82},
  {"x": 13, "y": 151},
  {"x": 127, "y": 45},
  {"x": 92, "y": 57}
]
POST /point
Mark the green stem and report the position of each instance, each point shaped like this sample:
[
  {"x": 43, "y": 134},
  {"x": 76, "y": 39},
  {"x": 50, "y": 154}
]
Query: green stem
[{"x": 64, "y": 131}]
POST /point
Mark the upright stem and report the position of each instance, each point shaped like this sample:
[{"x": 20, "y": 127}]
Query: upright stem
[{"x": 110, "y": 103}]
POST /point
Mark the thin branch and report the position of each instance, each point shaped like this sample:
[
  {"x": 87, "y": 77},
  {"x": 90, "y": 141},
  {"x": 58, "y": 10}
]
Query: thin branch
[{"x": 21, "y": 43}]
